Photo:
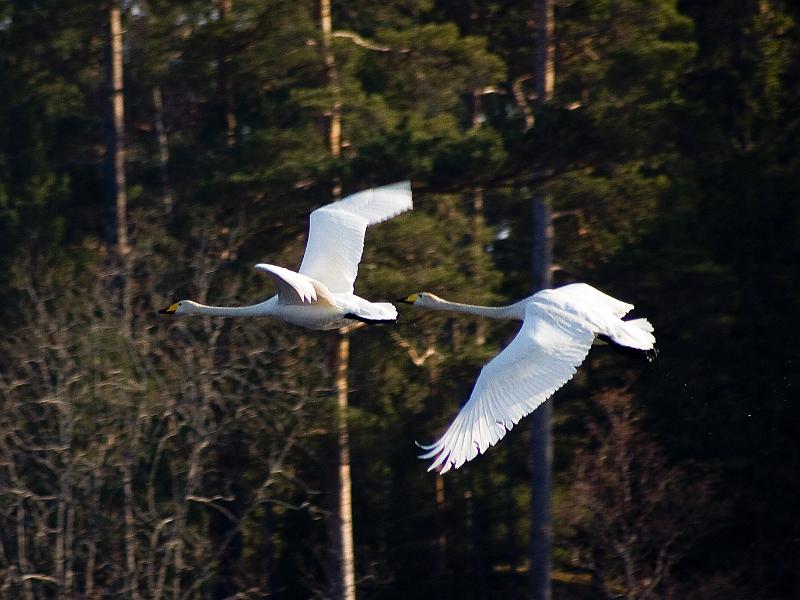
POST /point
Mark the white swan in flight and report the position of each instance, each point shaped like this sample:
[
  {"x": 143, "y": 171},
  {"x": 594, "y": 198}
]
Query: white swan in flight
[
  {"x": 320, "y": 294},
  {"x": 558, "y": 328}
]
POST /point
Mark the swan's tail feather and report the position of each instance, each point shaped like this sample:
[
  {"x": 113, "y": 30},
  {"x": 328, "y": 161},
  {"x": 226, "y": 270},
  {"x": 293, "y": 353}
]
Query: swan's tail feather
[
  {"x": 633, "y": 337},
  {"x": 643, "y": 324},
  {"x": 636, "y": 333}
]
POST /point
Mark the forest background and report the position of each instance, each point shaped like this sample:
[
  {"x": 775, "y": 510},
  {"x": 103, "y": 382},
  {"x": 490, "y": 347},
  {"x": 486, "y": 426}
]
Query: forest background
[{"x": 142, "y": 457}]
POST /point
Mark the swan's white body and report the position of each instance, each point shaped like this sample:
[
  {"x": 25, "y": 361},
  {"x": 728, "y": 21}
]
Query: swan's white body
[
  {"x": 320, "y": 294},
  {"x": 559, "y": 326}
]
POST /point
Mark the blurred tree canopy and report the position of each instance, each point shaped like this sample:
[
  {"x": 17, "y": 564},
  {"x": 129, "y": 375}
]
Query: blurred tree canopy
[{"x": 193, "y": 458}]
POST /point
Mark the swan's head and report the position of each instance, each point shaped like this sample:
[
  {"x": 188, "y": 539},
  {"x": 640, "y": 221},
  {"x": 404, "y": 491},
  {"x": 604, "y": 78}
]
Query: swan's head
[
  {"x": 184, "y": 307},
  {"x": 422, "y": 299}
]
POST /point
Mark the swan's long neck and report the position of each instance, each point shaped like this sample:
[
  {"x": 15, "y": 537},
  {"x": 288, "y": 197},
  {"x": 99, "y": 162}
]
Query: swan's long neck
[
  {"x": 232, "y": 311},
  {"x": 493, "y": 312}
]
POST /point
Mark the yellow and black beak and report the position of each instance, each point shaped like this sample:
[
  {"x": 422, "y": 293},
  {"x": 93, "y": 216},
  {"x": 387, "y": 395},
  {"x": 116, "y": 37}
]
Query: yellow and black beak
[
  {"x": 170, "y": 310},
  {"x": 410, "y": 299}
]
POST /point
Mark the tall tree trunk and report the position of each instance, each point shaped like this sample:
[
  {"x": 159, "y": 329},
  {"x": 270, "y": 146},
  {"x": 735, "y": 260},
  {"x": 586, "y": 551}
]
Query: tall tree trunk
[
  {"x": 442, "y": 572},
  {"x": 163, "y": 150},
  {"x": 117, "y": 195},
  {"x": 93, "y": 533},
  {"x": 225, "y": 81},
  {"x": 267, "y": 551},
  {"x": 65, "y": 509},
  {"x": 346, "y": 575},
  {"x": 225, "y": 533},
  {"x": 479, "y": 236},
  {"x": 131, "y": 572},
  {"x": 22, "y": 551},
  {"x": 541, "y": 445},
  {"x": 345, "y": 584},
  {"x": 473, "y": 524},
  {"x": 333, "y": 83},
  {"x": 118, "y": 237}
]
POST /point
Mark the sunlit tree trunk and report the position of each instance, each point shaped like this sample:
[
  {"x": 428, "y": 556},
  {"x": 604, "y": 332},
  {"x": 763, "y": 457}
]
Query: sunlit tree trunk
[
  {"x": 345, "y": 580},
  {"x": 347, "y": 583},
  {"x": 118, "y": 200},
  {"x": 541, "y": 446},
  {"x": 334, "y": 85},
  {"x": 116, "y": 142}
]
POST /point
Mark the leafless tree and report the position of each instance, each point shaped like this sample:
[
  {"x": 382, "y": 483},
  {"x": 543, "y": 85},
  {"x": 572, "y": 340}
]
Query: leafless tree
[
  {"x": 632, "y": 514},
  {"x": 110, "y": 444}
]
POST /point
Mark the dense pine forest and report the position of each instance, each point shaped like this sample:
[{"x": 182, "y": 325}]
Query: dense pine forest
[{"x": 156, "y": 150}]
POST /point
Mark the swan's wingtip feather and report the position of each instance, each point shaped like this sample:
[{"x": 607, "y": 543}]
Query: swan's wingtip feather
[{"x": 426, "y": 446}]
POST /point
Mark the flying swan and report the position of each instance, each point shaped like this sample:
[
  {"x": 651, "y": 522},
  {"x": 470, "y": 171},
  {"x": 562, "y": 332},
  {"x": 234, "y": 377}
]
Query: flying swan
[
  {"x": 320, "y": 294},
  {"x": 558, "y": 328}
]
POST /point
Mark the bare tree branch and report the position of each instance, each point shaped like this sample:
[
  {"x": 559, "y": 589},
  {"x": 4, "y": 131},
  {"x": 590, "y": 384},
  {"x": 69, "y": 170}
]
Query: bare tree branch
[{"x": 360, "y": 41}]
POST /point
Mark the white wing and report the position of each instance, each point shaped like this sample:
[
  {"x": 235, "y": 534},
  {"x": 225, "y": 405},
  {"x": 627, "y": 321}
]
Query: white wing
[
  {"x": 378, "y": 204},
  {"x": 584, "y": 294},
  {"x": 293, "y": 288},
  {"x": 336, "y": 233},
  {"x": 540, "y": 359}
]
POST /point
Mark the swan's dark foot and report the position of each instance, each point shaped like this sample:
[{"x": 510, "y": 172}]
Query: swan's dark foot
[{"x": 366, "y": 320}]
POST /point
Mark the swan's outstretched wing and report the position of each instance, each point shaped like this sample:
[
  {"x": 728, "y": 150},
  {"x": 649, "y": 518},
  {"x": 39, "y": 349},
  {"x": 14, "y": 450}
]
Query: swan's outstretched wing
[
  {"x": 540, "y": 359},
  {"x": 336, "y": 233},
  {"x": 294, "y": 288},
  {"x": 590, "y": 297},
  {"x": 378, "y": 204}
]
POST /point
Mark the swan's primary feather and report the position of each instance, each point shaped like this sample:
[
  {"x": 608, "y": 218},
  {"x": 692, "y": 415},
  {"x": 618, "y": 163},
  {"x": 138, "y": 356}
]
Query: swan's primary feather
[
  {"x": 540, "y": 359},
  {"x": 378, "y": 204},
  {"x": 336, "y": 233}
]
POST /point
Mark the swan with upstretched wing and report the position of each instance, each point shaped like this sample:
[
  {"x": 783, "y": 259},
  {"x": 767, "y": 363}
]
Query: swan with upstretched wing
[{"x": 319, "y": 295}]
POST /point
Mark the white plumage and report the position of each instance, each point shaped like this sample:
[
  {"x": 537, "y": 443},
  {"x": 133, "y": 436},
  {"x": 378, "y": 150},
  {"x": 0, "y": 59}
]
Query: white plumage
[
  {"x": 320, "y": 294},
  {"x": 336, "y": 233},
  {"x": 559, "y": 326}
]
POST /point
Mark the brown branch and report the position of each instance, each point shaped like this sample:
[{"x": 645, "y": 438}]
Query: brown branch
[
  {"x": 583, "y": 229},
  {"x": 416, "y": 358},
  {"x": 211, "y": 502},
  {"x": 522, "y": 100},
  {"x": 38, "y": 577},
  {"x": 359, "y": 41}
]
